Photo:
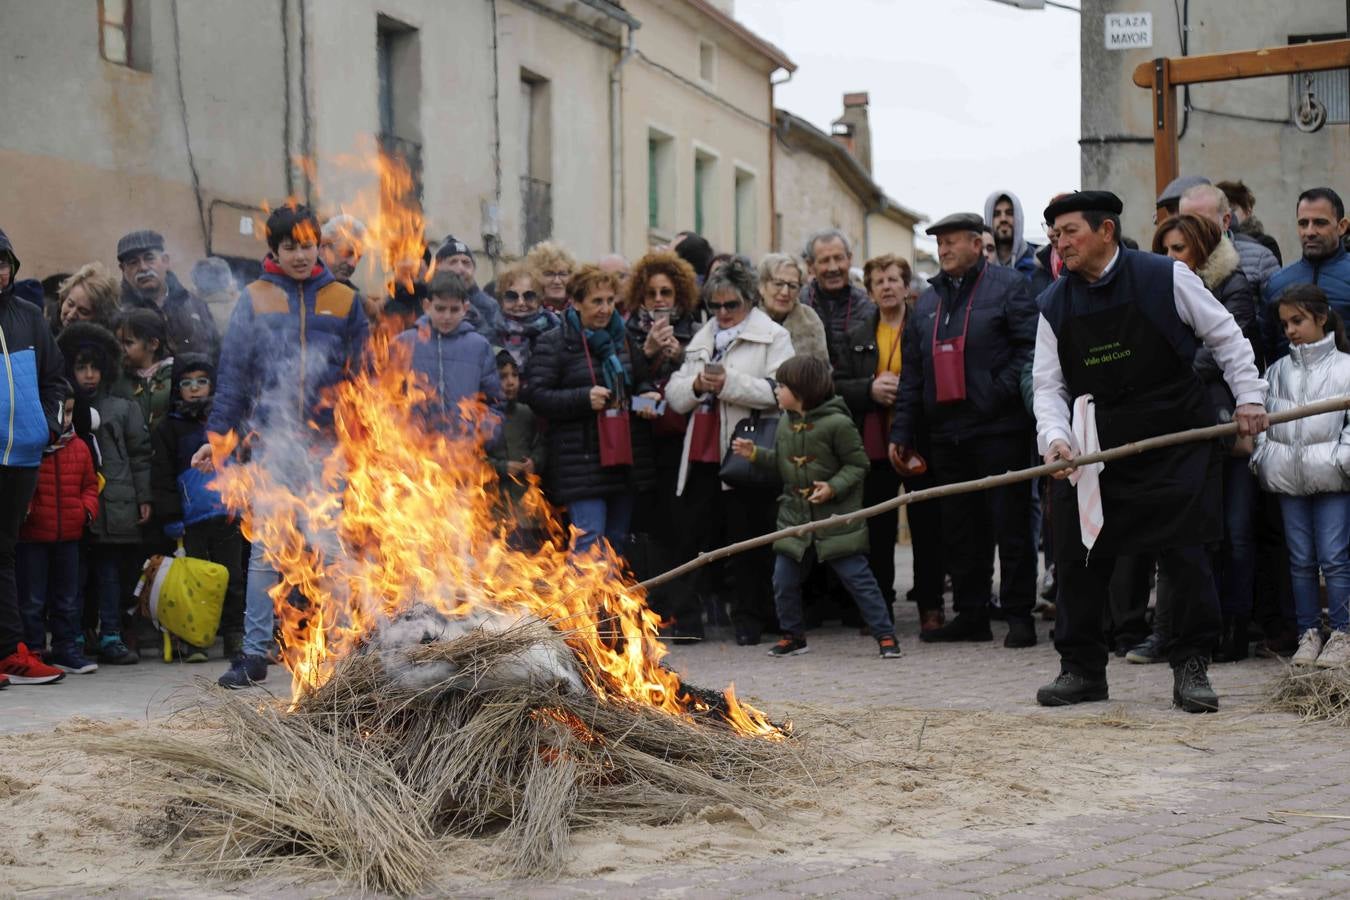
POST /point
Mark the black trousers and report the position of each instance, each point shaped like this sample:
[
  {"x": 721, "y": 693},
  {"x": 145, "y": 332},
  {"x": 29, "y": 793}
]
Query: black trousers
[
  {"x": 973, "y": 523},
  {"x": 925, "y": 543},
  {"x": 882, "y": 484},
  {"x": 710, "y": 518},
  {"x": 1127, "y": 610},
  {"x": 220, "y": 541},
  {"x": 1083, "y": 590},
  {"x": 16, "y": 490}
]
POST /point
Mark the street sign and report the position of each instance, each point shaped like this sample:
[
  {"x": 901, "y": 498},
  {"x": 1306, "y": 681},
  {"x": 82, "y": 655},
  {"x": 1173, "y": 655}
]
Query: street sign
[{"x": 1129, "y": 31}]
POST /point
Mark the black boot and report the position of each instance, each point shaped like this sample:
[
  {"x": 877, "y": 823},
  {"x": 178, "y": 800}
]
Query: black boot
[
  {"x": 1233, "y": 642},
  {"x": 965, "y": 626},
  {"x": 1070, "y": 688},
  {"x": 1021, "y": 632},
  {"x": 1191, "y": 689}
]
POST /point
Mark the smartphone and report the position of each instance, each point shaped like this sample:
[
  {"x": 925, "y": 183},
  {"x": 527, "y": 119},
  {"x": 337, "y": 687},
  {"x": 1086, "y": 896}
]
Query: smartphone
[
  {"x": 714, "y": 368},
  {"x": 661, "y": 315},
  {"x": 639, "y": 404}
]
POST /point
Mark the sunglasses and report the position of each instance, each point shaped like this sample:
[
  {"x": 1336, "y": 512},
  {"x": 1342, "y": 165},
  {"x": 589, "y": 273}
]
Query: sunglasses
[
  {"x": 729, "y": 306},
  {"x": 513, "y": 296},
  {"x": 188, "y": 384}
]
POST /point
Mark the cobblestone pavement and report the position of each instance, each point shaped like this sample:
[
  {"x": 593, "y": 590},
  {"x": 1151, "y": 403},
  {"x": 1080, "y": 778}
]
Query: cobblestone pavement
[{"x": 1229, "y": 833}]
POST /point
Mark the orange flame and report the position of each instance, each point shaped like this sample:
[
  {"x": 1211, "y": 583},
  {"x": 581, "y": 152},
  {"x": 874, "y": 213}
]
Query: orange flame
[{"x": 398, "y": 514}]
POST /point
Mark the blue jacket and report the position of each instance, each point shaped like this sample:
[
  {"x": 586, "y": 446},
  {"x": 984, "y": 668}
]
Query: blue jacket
[
  {"x": 31, "y": 389},
  {"x": 1332, "y": 275},
  {"x": 287, "y": 340},
  {"x": 458, "y": 365}
]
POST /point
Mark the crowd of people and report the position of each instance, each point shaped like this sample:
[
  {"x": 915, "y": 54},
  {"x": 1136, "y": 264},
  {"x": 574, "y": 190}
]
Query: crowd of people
[{"x": 689, "y": 399}]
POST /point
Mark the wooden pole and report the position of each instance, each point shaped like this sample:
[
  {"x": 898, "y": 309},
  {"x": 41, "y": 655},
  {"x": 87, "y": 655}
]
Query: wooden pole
[{"x": 1212, "y": 432}]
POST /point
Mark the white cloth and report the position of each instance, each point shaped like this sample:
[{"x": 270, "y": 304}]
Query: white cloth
[
  {"x": 1197, "y": 307},
  {"x": 1087, "y": 479}
]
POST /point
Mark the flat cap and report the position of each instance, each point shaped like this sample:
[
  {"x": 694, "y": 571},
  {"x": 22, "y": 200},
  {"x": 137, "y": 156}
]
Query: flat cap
[
  {"x": 139, "y": 242},
  {"x": 957, "y": 222},
  {"x": 453, "y": 246},
  {"x": 1178, "y": 186},
  {"x": 1084, "y": 201}
]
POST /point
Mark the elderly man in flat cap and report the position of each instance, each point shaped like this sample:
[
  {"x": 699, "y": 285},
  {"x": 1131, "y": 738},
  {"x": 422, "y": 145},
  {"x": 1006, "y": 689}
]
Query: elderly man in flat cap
[
  {"x": 964, "y": 348},
  {"x": 1114, "y": 348},
  {"x": 147, "y": 282}
]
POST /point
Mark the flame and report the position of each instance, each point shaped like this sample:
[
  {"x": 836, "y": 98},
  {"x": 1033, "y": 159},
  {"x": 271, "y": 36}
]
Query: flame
[{"x": 402, "y": 514}]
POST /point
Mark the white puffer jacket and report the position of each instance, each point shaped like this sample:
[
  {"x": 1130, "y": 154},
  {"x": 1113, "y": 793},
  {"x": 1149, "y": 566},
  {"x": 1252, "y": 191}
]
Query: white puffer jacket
[{"x": 1312, "y": 455}]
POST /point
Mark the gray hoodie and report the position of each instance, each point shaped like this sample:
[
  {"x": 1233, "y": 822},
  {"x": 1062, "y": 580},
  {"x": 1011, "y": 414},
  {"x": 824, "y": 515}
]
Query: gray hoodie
[{"x": 1023, "y": 254}]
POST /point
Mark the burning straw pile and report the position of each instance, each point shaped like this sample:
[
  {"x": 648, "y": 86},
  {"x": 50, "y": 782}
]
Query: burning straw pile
[
  {"x": 452, "y": 690},
  {"x": 1317, "y": 695},
  {"x": 401, "y": 754}
]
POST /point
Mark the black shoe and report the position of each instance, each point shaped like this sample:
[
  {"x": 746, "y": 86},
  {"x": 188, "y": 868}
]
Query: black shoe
[
  {"x": 1070, "y": 688},
  {"x": 790, "y": 645},
  {"x": 1234, "y": 643},
  {"x": 1191, "y": 689},
  {"x": 245, "y": 671},
  {"x": 963, "y": 627},
  {"x": 115, "y": 652},
  {"x": 1150, "y": 651},
  {"x": 888, "y": 647},
  {"x": 747, "y": 639},
  {"x": 1021, "y": 633}
]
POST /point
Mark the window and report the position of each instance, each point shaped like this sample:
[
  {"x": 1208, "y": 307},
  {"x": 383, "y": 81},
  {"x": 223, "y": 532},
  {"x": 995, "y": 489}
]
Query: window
[
  {"x": 536, "y": 154},
  {"x": 398, "y": 64},
  {"x": 745, "y": 211},
  {"x": 705, "y": 208},
  {"x": 1330, "y": 87},
  {"x": 707, "y": 61},
  {"x": 660, "y": 183},
  {"x": 123, "y": 37}
]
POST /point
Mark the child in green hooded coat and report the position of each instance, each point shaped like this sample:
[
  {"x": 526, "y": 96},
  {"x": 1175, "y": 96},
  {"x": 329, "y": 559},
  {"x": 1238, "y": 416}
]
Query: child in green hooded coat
[{"x": 820, "y": 456}]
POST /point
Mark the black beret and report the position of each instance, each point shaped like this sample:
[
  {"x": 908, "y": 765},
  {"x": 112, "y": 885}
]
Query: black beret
[
  {"x": 957, "y": 222},
  {"x": 1084, "y": 201}
]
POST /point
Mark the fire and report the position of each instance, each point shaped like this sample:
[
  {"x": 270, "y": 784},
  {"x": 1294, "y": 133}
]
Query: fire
[{"x": 397, "y": 514}]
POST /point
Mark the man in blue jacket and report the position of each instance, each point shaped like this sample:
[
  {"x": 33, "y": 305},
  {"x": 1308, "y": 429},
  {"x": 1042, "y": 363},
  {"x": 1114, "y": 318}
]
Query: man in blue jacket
[
  {"x": 295, "y": 331},
  {"x": 1322, "y": 227},
  {"x": 971, "y": 335},
  {"x": 31, "y": 395}
]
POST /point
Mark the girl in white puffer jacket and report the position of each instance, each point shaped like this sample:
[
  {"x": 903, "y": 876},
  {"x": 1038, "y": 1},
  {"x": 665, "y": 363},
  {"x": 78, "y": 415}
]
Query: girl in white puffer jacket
[{"x": 1307, "y": 462}]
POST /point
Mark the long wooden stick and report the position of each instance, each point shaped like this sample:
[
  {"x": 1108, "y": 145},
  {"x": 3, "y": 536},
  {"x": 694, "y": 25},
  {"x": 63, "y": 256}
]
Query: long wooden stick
[{"x": 1211, "y": 432}]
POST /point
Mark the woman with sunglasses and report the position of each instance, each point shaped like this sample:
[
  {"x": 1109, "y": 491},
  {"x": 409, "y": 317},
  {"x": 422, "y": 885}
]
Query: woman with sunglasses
[
  {"x": 552, "y": 267},
  {"x": 727, "y": 374},
  {"x": 524, "y": 317}
]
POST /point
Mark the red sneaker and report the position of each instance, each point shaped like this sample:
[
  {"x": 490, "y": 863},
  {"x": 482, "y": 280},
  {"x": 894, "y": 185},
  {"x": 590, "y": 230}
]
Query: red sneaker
[
  {"x": 4, "y": 682},
  {"x": 23, "y": 667}
]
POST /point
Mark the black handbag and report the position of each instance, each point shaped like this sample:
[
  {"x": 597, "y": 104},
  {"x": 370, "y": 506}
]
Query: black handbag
[{"x": 738, "y": 471}]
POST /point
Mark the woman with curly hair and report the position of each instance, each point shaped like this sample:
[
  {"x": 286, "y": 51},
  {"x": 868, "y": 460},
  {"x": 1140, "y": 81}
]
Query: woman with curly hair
[
  {"x": 552, "y": 267},
  {"x": 663, "y": 314},
  {"x": 524, "y": 317},
  {"x": 90, "y": 295}
]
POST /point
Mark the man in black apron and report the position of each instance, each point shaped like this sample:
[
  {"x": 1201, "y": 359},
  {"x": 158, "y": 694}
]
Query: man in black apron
[{"x": 1114, "y": 345}]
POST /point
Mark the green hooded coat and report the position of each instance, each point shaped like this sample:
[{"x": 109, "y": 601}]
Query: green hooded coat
[{"x": 821, "y": 445}]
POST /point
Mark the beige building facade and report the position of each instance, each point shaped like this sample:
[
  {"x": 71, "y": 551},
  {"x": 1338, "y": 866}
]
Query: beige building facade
[
  {"x": 821, "y": 182},
  {"x": 522, "y": 120},
  {"x": 1233, "y": 130}
]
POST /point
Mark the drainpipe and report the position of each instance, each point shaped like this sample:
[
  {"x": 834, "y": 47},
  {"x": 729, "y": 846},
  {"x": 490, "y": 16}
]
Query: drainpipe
[
  {"x": 774, "y": 238},
  {"x": 616, "y": 142}
]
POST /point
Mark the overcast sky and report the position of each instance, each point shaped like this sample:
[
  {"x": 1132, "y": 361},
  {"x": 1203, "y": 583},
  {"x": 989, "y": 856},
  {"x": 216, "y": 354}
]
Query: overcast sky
[{"x": 967, "y": 96}]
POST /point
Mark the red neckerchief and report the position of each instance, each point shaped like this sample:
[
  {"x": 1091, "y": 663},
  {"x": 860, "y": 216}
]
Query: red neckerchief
[{"x": 270, "y": 266}]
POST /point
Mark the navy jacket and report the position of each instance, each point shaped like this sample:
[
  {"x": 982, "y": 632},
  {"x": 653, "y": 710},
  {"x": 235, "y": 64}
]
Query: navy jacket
[
  {"x": 999, "y": 345},
  {"x": 287, "y": 341},
  {"x": 1332, "y": 275},
  {"x": 457, "y": 365},
  {"x": 31, "y": 389}
]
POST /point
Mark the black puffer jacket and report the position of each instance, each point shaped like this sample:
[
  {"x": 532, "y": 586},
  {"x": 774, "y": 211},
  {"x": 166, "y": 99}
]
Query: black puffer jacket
[
  {"x": 999, "y": 345},
  {"x": 857, "y": 366},
  {"x": 558, "y": 388}
]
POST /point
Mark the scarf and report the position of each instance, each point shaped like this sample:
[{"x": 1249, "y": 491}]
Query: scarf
[
  {"x": 518, "y": 335},
  {"x": 193, "y": 409},
  {"x": 723, "y": 337},
  {"x": 604, "y": 344},
  {"x": 149, "y": 371}
]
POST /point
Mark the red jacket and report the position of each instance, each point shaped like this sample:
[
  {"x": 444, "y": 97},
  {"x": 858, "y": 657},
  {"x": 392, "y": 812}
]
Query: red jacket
[{"x": 66, "y": 497}]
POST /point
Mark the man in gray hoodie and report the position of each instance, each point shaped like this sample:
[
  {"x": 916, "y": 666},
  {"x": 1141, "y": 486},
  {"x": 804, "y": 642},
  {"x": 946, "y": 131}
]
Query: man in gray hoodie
[{"x": 1003, "y": 215}]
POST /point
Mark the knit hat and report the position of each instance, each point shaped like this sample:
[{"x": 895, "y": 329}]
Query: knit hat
[
  {"x": 212, "y": 276},
  {"x": 98, "y": 341},
  {"x": 137, "y": 242},
  {"x": 193, "y": 362},
  {"x": 452, "y": 246}
]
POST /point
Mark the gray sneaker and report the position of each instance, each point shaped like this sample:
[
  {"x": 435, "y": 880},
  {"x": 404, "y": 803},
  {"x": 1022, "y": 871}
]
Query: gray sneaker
[
  {"x": 1336, "y": 652},
  {"x": 1309, "y": 648}
]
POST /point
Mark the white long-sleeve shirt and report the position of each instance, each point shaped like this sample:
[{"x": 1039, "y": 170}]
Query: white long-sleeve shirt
[{"x": 1197, "y": 307}]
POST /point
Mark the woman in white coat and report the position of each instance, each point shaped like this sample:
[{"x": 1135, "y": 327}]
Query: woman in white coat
[{"x": 726, "y": 376}]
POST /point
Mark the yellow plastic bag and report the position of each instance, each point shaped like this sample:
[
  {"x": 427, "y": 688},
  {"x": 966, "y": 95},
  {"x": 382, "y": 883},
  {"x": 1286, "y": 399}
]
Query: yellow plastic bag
[{"x": 183, "y": 597}]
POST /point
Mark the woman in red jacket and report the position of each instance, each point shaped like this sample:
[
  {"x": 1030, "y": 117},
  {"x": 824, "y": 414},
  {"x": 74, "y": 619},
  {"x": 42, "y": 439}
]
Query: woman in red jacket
[{"x": 65, "y": 501}]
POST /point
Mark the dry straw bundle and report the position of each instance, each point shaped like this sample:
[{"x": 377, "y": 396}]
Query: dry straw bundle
[
  {"x": 405, "y": 756},
  {"x": 1318, "y": 695}
]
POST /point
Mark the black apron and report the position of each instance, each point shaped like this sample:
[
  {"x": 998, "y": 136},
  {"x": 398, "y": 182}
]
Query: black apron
[{"x": 1142, "y": 388}]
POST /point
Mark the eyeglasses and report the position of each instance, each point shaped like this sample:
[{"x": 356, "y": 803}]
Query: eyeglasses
[
  {"x": 729, "y": 306},
  {"x": 560, "y": 276},
  {"x": 777, "y": 285},
  {"x": 187, "y": 384},
  {"x": 514, "y": 296}
]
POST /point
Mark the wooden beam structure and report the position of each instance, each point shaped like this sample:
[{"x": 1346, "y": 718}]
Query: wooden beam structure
[{"x": 1164, "y": 74}]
